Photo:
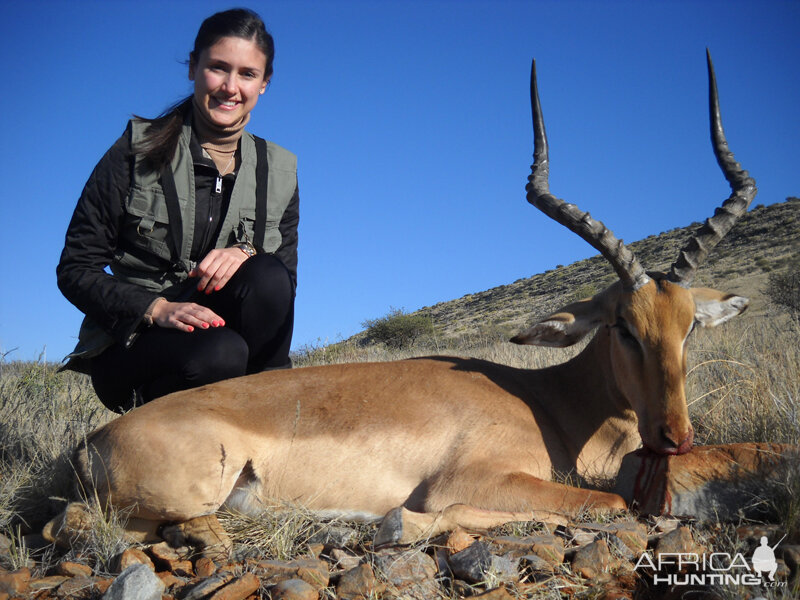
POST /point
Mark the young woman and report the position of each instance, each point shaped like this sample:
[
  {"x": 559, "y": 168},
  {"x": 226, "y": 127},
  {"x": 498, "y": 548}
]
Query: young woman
[{"x": 197, "y": 220}]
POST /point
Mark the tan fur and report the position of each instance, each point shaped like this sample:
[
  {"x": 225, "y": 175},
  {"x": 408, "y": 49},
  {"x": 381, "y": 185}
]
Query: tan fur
[{"x": 425, "y": 434}]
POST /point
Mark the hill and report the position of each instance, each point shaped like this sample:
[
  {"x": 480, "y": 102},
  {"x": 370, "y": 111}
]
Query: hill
[{"x": 765, "y": 239}]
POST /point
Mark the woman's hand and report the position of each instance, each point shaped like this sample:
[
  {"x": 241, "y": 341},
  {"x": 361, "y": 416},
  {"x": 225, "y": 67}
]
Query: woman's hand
[
  {"x": 185, "y": 316},
  {"x": 216, "y": 269}
]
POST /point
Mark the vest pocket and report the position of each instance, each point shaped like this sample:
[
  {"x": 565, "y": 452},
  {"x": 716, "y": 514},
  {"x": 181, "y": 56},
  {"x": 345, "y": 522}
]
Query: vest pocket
[
  {"x": 246, "y": 229},
  {"x": 146, "y": 221}
]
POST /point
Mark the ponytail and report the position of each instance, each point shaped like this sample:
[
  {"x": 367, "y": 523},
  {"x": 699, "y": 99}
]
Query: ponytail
[{"x": 161, "y": 137}]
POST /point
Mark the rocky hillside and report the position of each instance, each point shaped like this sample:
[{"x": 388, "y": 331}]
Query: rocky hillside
[{"x": 765, "y": 239}]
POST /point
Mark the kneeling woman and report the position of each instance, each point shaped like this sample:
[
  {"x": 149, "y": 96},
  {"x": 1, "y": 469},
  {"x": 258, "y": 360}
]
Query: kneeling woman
[{"x": 197, "y": 220}]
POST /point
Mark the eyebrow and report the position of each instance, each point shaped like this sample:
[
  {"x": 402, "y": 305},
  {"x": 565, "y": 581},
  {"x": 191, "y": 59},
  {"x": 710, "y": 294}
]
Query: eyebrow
[{"x": 219, "y": 61}]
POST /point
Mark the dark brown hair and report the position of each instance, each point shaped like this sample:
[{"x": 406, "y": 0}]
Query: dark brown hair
[{"x": 161, "y": 137}]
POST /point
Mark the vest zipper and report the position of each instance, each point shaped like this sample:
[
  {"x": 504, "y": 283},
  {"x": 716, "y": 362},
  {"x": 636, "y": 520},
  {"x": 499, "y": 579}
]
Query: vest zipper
[{"x": 218, "y": 186}]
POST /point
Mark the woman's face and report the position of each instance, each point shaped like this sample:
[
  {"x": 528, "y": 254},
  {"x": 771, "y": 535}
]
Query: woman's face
[{"x": 228, "y": 78}]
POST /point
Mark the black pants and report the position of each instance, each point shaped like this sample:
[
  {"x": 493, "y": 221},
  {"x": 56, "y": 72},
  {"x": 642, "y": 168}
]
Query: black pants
[{"x": 257, "y": 305}]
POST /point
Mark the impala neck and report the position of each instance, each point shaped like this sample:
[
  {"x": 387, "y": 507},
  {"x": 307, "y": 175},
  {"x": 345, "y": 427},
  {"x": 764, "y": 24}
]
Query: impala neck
[{"x": 591, "y": 412}]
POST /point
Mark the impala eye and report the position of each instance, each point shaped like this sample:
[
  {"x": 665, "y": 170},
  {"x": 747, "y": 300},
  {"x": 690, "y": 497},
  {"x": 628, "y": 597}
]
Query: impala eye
[{"x": 621, "y": 328}]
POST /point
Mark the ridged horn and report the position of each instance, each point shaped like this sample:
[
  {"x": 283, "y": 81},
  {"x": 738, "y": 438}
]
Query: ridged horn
[
  {"x": 628, "y": 269},
  {"x": 743, "y": 190}
]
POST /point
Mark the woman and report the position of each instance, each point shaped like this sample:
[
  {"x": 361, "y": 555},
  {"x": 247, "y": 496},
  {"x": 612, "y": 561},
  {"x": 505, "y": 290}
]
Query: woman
[{"x": 197, "y": 220}]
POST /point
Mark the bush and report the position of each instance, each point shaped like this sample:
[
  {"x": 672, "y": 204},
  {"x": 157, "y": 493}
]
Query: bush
[
  {"x": 783, "y": 290},
  {"x": 398, "y": 329}
]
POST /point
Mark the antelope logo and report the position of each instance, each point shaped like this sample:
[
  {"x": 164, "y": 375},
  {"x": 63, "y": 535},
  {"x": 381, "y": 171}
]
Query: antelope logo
[{"x": 436, "y": 442}]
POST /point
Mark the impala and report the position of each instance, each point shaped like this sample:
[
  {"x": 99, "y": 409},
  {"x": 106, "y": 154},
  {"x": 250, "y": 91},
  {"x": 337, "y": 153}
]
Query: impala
[{"x": 436, "y": 442}]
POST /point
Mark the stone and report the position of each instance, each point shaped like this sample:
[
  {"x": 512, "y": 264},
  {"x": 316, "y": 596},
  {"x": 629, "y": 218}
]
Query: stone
[
  {"x": 204, "y": 567},
  {"x": 678, "y": 541},
  {"x": 592, "y": 560},
  {"x": 76, "y": 587},
  {"x": 170, "y": 580},
  {"x": 499, "y": 593},
  {"x": 359, "y": 583},
  {"x": 310, "y": 570},
  {"x": 72, "y": 569},
  {"x": 47, "y": 583},
  {"x": 175, "y": 560},
  {"x": 632, "y": 534},
  {"x": 137, "y": 582},
  {"x": 132, "y": 556},
  {"x": 458, "y": 540},
  {"x": 294, "y": 589},
  {"x": 549, "y": 547},
  {"x": 471, "y": 564},
  {"x": 534, "y": 568},
  {"x": 715, "y": 483},
  {"x": 502, "y": 570},
  {"x": 344, "y": 560},
  {"x": 790, "y": 555},
  {"x": 238, "y": 588},
  {"x": 409, "y": 574},
  {"x": 334, "y": 536},
  {"x": 203, "y": 589},
  {"x": 15, "y": 583}
]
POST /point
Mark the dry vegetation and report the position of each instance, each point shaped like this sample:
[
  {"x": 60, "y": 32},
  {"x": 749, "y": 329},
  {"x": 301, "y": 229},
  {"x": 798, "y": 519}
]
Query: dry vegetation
[{"x": 743, "y": 385}]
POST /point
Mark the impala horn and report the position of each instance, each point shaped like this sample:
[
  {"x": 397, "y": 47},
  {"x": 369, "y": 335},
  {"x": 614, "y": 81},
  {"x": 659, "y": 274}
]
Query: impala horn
[
  {"x": 626, "y": 265},
  {"x": 743, "y": 190}
]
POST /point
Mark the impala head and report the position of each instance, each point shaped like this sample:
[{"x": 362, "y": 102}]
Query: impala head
[{"x": 645, "y": 318}]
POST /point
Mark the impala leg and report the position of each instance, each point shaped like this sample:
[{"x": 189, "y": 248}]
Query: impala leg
[
  {"x": 513, "y": 497},
  {"x": 204, "y": 533}
]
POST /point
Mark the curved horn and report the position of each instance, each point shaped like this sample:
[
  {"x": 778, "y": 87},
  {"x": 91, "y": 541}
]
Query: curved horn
[
  {"x": 570, "y": 216},
  {"x": 743, "y": 190}
]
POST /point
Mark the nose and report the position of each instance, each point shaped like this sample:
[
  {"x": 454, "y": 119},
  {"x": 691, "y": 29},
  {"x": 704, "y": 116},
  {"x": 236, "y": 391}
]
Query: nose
[
  {"x": 675, "y": 444},
  {"x": 230, "y": 85}
]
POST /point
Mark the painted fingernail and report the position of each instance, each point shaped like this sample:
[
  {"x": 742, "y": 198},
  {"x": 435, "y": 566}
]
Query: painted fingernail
[
  {"x": 218, "y": 288},
  {"x": 200, "y": 288},
  {"x": 205, "y": 325},
  {"x": 191, "y": 329}
]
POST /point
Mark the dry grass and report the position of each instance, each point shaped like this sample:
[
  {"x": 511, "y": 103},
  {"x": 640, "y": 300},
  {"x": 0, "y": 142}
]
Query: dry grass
[{"x": 743, "y": 385}]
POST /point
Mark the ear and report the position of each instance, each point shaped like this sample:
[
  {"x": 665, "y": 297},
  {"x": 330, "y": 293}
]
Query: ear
[
  {"x": 713, "y": 308},
  {"x": 570, "y": 324},
  {"x": 192, "y": 67},
  {"x": 264, "y": 85}
]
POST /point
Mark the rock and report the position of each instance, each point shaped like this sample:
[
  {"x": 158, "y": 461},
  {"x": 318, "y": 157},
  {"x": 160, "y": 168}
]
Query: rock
[
  {"x": 310, "y": 570},
  {"x": 175, "y": 560},
  {"x": 132, "y": 556},
  {"x": 205, "y": 588},
  {"x": 76, "y": 587},
  {"x": 170, "y": 580},
  {"x": 502, "y": 570},
  {"x": 632, "y": 534},
  {"x": 592, "y": 560},
  {"x": 471, "y": 564},
  {"x": 47, "y": 583},
  {"x": 708, "y": 483},
  {"x": 359, "y": 583},
  {"x": 790, "y": 554},
  {"x": 204, "y": 567},
  {"x": 548, "y": 547},
  {"x": 72, "y": 569},
  {"x": 294, "y": 589},
  {"x": 15, "y": 583},
  {"x": 344, "y": 560},
  {"x": 409, "y": 573},
  {"x": 499, "y": 593},
  {"x": 137, "y": 582},
  {"x": 335, "y": 536},
  {"x": 678, "y": 541},
  {"x": 458, "y": 540},
  {"x": 534, "y": 568},
  {"x": 238, "y": 588}
]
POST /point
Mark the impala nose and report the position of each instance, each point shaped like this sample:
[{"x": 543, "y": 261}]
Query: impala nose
[{"x": 670, "y": 443}]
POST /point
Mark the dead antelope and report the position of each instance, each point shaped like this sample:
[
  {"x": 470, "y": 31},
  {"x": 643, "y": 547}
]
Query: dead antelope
[{"x": 438, "y": 441}]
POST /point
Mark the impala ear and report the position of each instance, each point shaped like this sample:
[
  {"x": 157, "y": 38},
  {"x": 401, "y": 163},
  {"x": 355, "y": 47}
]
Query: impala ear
[
  {"x": 713, "y": 308},
  {"x": 570, "y": 324}
]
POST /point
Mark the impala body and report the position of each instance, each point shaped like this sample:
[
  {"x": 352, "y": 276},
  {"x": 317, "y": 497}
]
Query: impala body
[{"x": 440, "y": 441}]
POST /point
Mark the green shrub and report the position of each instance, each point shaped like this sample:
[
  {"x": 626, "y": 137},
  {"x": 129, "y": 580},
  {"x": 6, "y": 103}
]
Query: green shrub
[
  {"x": 783, "y": 290},
  {"x": 398, "y": 329}
]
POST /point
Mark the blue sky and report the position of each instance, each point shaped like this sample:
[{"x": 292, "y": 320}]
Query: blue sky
[{"x": 412, "y": 125}]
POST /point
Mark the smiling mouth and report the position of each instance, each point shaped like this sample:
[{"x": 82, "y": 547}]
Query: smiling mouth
[{"x": 226, "y": 103}]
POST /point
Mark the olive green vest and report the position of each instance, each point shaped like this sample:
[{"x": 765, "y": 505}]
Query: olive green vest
[{"x": 146, "y": 231}]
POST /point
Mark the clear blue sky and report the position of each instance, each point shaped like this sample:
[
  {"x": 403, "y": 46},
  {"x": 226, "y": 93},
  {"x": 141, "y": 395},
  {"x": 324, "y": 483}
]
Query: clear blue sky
[{"x": 412, "y": 125}]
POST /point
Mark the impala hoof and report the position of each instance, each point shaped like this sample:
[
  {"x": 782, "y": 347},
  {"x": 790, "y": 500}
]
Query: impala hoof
[{"x": 391, "y": 529}]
